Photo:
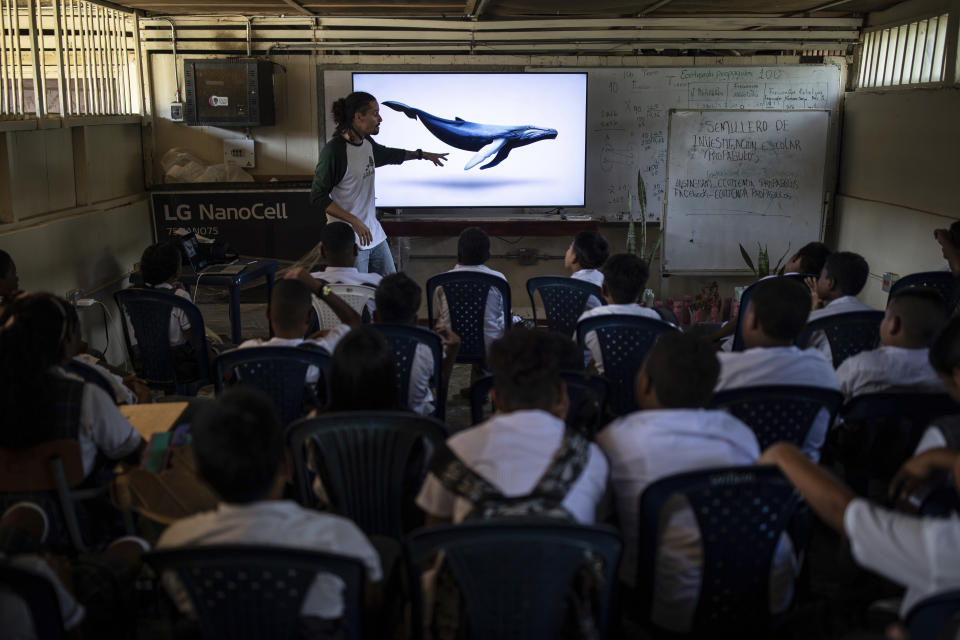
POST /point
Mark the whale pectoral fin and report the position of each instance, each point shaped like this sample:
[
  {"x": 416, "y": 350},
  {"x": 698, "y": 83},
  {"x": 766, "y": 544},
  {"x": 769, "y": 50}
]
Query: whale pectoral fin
[
  {"x": 500, "y": 157},
  {"x": 459, "y": 119},
  {"x": 485, "y": 153},
  {"x": 410, "y": 112}
]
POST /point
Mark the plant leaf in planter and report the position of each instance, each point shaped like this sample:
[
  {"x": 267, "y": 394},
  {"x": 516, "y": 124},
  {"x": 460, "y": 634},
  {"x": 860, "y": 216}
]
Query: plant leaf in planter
[{"x": 746, "y": 258}]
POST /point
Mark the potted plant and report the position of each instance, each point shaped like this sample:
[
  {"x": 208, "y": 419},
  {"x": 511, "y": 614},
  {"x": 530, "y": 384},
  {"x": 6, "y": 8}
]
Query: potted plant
[
  {"x": 762, "y": 268},
  {"x": 640, "y": 249},
  {"x": 706, "y": 304}
]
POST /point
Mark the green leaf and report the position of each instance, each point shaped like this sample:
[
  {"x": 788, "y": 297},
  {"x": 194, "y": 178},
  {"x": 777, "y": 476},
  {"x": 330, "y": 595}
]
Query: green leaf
[
  {"x": 746, "y": 258},
  {"x": 778, "y": 268}
]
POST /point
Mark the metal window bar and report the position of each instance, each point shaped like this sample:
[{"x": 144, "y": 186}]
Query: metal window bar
[
  {"x": 908, "y": 54},
  {"x": 4, "y": 66},
  {"x": 928, "y": 45},
  {"x": 936, "y": 73},
  {"x": 898, "y": 55},
  {"x": 14, "y": 15}
]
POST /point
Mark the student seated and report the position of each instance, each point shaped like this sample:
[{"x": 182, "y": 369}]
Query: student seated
[
  {"x": 774, "y": 317},
  {"x": 524, "y": 441},
  {"x": 624, "y": 279},
  {"x": 363, "y": 373},
  {"x": 842, "y": 278},
  {"x": 913, "y": 318},
  {"x": 239, "y": 450},
  {"x": 586, "y": 254},
  {"x": 338, "y": 249},
  {"x": 9, "y": 282},
  {"x": 673, "y": 433},
  {"x": 161, "y": 266},
  {"x": 949, "y": 241},
  {"x": 398, "y": 299}
]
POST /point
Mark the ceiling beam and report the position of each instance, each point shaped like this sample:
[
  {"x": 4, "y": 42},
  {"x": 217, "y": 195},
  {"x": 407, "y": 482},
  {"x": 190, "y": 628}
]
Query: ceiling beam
[
  {"x": 299, "y": 7},
  {"x": 653, "y": 7}
]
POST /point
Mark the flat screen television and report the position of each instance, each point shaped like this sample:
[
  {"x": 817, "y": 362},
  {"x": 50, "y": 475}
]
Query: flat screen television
[{"x": 513, "y": 139}]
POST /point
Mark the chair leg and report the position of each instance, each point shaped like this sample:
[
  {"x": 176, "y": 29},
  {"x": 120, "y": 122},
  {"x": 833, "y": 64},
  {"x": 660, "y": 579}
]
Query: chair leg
[{"x": 66, "y": 504}]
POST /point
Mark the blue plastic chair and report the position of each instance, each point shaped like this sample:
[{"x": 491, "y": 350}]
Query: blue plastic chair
[
  {"x": 92, "y": 376},
  {"x": 931, "y": 617},
  {"x": 943, "y": 281},
  {"x": 278, "y": 371},
  {"x": 778, "y": 413},
  {"x": 847, "y": 333},
  {"x": 564, "y": 300},
  {"x": 514, "y": 574},
  {"x": 371, "y": 464},
  {"x": 404, "y": 338},
  {"x": 148, "y": 313},
  {"x": 624, "y": 342},
  {"x": 741, "y": 513},
  {"x": 745, "y": 300},
  {"x": 466, "y": 294},
  {"x": 257, "y": 591},
  {"x": 40, "y": 597}
]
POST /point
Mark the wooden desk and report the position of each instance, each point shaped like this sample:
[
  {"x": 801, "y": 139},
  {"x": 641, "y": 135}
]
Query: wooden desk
[{"x": 149, "y": 419}]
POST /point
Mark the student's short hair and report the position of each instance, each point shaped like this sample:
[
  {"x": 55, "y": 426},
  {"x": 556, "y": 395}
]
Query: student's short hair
[
  {"x": 363, "y": 373},
  {"x": 290, "y": 304},
  {"x": 625, "y": 277},
  {"x": 812, "y": 257},
  {"x": 945, "y": 350},
  {"x": 238, "y": 444},
  {"x": 160, "y": 262},
  {"x": 398, "y": 299},
  {"x": 683, "y": 369},
  {"x": 6, "y": 263},
  {"x": 781, "y": 306},
  {"x": 591, "y": 249},
  {"x": 954, "y": 233},
  {"x": 473, "y": 246},
  {"x": 849, "y": 270},
  {"x": 338, "y": 238},
  {"x": 922, "y": 314},
  {"x": 526, "y": 369}
]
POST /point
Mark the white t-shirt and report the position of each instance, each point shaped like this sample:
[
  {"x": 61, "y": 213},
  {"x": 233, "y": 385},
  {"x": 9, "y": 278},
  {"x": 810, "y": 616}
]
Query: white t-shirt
[
  {"x": 593, "y": 276},
  {"x": 843, "y": 304},
  {"x": 277, "y": 523},
  {"x": 512, "y": 451},
  {"x": 355, "y": 192},
  {"x": 178, "y": 319},
  {"x": 888, "y": 368},
  {"x": 493, "y": 322},
  {"x": 328, "y": 342},
  {"x": 590, "y": 340},
  {"x": 348, "y": 275}
]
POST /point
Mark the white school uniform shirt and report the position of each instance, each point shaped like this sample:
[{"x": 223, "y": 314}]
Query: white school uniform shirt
[
  {"x": 178, "y": 319},
  {"x": 121, "y": 392},
  {"x": 276, "y": 523},
  {"x": 922, "y": 554},
  {"x": 512, "y": 451},
  {"x": 590, "y": 340},
  {"x": 493, "y": 322},
  {"x": 348, "y": 275},
  {"x": 843, "y": 304},
  {"x": 328, "y": 342},
  {"x": 593, "y": 276},
  {"x": 887, "y": 368},
  {"x": 420, "y": 396},
  {"x": 762, "y": 366}
]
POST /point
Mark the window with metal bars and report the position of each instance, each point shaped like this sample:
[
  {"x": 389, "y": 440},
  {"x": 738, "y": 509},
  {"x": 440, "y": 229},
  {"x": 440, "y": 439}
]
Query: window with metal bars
[{"x": 908, "y": 54}]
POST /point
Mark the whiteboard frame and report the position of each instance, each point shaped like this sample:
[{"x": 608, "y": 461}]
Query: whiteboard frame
[{"x": 666, "y": 193}]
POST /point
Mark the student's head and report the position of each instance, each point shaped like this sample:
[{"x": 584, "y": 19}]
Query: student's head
[
  {"x": 526, "y": 372},
  {"x": 624, "y": 278},
  {"x": 680, "y": 372},
  {"x": 160, "y": 263},
  {"x": 358, "y": 111},
  {"x": 473, "y": 246},
  {"x": 291, "y": 309},
  {"x": 945, "y": 356},
  {"x": 589, "y": 250},
  {"x": 914, "y": 316},
  {"x": 238, "y": 446},
  {"x": 363, "y": 373},
  {"x": 809, "y": 259},
  {"x": 9, "y": 283},
  {"x": 338, "y": 244},
  {"x": 397, "y": 299},
  {"x": 776, "y": 313},
  {"x": 844, "y": 274}
]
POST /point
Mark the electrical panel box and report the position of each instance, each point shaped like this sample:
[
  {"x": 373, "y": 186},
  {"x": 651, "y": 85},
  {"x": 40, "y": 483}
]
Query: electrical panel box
[
  {"x": 239, "y": 153},
  {"x": 228, "y": 93},
  {"x": 176, "y": 111}
]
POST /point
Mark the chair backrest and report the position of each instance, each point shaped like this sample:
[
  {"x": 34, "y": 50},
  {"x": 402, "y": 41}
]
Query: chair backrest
[
  {"x": 247, "y": 591},
  {"x": 278, "y": 371},
  {"x": 368, "y": 462},
  {"x": 355, "y": 295},
  {"x": 943, "y": 281},
  {"x": 624, "y": 341},
  {"x": 403, "y": 339},
  {"x": 929, "y": 618},
  {"x": 778, "y": 413},
  {"x": 514, "y": 575},
  {"x": 564, "y": 300},
  {"x": 148, "y": 313},
  {"x": 466, "y": 295},
  {"x": 847, "y": 333},
  {"x": 40, "y": 597},
  {"x": 741, "y": 513},
  {"x": 91, "y": 375},
  {"x": 745, "y": 300}
]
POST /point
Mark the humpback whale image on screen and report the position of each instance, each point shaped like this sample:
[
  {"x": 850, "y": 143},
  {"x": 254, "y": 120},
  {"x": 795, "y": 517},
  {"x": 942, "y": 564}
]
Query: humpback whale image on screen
[{"x": 514, "y": 140}]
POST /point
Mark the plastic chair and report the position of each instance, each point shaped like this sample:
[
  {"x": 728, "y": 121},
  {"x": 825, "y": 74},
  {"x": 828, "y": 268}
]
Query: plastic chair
[
  {"x": 355, "y": 295},
  {"x": 514, "y": 574},
  {"x": 404, "y": 338},
  {"x": 624, "y": 342},
  {"x": 564, "y": 300},
  {"x": 931, "y": 617},
  {"x": 943, "y": 281},
  {"x": 91, "y": 375},
  {"x": 466, "y": 294},
  {"x": 40, "y": 597},
  {"x": 148, "y": 313},
  {"x": 745, "y": 300},
  {"x": 278, "y": 371},
  {"x": 741, "y": 513},
  {"x": 369, "y": 462},
  {"x": 778, "y": 413},
  {"x": 848, "y": 333},
  {"x": 254, "y": 591}
]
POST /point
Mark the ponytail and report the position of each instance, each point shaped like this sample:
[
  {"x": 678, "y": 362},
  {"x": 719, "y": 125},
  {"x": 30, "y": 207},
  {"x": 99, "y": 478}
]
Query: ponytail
[{"x": 344, "y": 109}]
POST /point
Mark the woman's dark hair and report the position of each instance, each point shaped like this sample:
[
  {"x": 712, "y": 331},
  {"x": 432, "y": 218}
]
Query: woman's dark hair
[
  {"x": 344, "y": 109},
  {"x": 363, "y": 373},
  {"x": 945, "y": 350},
  {"x": 6, "y": 263},
  {"x": 591, "y": 249}
]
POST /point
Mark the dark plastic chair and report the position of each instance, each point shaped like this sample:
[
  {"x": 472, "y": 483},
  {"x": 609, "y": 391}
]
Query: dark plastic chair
[
  {"x": 255, "y": 591},
  {"x": 148, "y": 312},
  {"x": 404, "y": 338},
  {"x": 745, "y": 300},
  {"x": 943, "y": 281},
  {"x": 741, "y": 513},
  {"x": 371, "y": 464},
  {"x": 564, "y": 300},
  {"x": 40, "y": 597},
  {"x": 466, "y": 294},
  {"x": 931, "y": 617},
  {"x": 778, "y": 413},
  {"x": 847, "y": 333},
  {"x": 624, "y": 342},
  {"x": 279, "y": 372},
  {"x": 91, "y": 375},
  {"x": 514, "y": 575}
]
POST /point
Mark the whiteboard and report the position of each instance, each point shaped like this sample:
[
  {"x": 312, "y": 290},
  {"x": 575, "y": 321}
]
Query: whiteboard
[{"x": 741, "y": 177}]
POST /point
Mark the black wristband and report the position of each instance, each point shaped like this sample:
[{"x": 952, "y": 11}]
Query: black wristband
[{"x": 419, "y": 154}]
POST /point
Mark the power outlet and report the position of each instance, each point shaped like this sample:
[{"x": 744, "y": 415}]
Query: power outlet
[
  {"x": 528, "y": 257},
  {"x": 73, "y": 295}
]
